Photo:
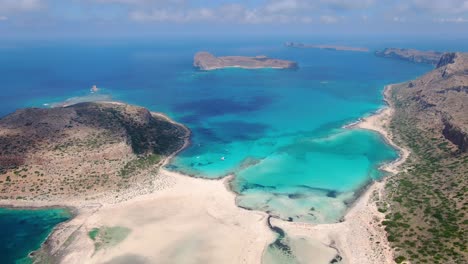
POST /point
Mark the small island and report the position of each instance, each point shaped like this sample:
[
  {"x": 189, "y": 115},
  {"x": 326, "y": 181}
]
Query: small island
[
  {"x": 207, "y": 61},
  {"x": 412, "y": 55},
  {"x": 326, "y": 47}
]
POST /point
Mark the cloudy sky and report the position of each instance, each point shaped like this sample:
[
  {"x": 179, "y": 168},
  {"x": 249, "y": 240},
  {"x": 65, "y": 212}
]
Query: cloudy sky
[{"x": 129, "y": 17}]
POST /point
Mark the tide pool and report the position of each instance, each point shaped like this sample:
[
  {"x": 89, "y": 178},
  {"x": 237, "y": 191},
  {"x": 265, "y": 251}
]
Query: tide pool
[
  {"x": 278, "y": 131},
  {"x": 23, "y": 231}
]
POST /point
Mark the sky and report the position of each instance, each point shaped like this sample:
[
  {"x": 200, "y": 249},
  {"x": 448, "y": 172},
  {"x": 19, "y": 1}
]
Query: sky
[{"x": 103, "y": 18}]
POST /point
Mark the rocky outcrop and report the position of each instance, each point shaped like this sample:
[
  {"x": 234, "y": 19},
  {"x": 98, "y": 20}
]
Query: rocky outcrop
[
  {"x": 455, "y": 135},
  {"x": 207, "y": 61},
  {"x": 416, "y": 56},
  {"x": 446, "y": 58},
  {"x": 440, "y": 98}
]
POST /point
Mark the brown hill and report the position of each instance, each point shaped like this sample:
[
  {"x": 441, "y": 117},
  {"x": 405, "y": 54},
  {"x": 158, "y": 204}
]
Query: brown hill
[{"x": 84, "y": 150}]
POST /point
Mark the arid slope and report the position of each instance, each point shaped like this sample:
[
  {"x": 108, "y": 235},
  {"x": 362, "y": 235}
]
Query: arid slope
[
  {"x": 426, "y": 216},
  {"x": 84, "y": 151}
]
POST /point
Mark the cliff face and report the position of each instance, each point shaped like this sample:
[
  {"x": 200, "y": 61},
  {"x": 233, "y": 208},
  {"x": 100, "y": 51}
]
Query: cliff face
[
  {"x": 455, "y": 135},
  {"x": 446, "y": 58},
  {"x": 82, "y": 149},
  {"x": 440, "y": 98},
  {"x": 417, "y": 56},
  {"x": 206, "y": 61}
]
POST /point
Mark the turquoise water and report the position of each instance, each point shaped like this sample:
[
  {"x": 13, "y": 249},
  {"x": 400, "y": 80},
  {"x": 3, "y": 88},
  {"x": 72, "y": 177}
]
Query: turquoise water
[
  {"x": 278, "y": 131},
  {"x": 23, "y": 231}
]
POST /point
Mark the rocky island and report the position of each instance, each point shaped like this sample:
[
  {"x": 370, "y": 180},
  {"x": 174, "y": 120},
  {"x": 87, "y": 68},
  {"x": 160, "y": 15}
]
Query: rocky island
[
  {"x": 327, "y": 47},
  {"x": 207, "y": 61},
  {"x": 412, "y": 55}
]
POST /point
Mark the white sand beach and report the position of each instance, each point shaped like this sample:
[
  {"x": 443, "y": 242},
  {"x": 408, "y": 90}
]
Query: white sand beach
[{"x": 185, "y": 220}]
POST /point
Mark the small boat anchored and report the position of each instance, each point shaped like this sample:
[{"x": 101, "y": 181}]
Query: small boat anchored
[{"x": 94, "y": 89}]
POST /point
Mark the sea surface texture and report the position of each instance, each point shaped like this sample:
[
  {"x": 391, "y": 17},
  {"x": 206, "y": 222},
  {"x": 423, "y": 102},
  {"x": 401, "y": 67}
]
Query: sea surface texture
[
  {"x": 278, "y": 131},
  {"x": 23, "y": 231}
]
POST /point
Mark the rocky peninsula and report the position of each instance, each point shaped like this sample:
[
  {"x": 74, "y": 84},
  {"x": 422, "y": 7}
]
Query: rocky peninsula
[
  {"x": 207, "y": 61},
  {"x": 326, "y": 47},
  {"x": 86, "y": 150},
  {"x": 412, "y": 55}
]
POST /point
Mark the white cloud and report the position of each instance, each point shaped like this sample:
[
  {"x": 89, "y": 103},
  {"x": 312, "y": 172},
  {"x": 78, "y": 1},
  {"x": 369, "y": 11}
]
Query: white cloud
[
  {"x": 20, "y": 5},
  {"x": 230, "y": 13},
  {"x": 3, "y": 18},
  {"x": 252, "y": 12},
  {"x": 347, "y": 4},
  {"x": 143, "y": 2},
  {"x": 329, "y": 19},
  {"x": 440, "y": 6},
  {"x": 399, "y": 19},
  {"x": 280, "y": 6},
  {"x": 452, "y": 20}
]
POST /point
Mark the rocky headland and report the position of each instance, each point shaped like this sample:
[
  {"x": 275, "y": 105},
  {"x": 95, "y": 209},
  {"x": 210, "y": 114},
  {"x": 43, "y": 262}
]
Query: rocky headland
[
  {"x": 412, "y": 55},
  {"x": 425, "y": 203},
  {"x": 84, "y": 151},
  {"x": 207, "y": 61}
]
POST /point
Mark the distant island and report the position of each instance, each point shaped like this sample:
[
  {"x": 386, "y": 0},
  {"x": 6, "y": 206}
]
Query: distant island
[
  {"x": 207, "y": 61},
  {"x": 327, "y": 47},
  {"x": 413, "y": 55}
]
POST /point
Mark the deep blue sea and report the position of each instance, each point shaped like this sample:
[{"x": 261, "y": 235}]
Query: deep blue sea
[{"x": 279, "y": 131}]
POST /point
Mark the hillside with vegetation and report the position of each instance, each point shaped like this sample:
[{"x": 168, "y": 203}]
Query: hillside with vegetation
[{"x": 426, "y": 214}]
